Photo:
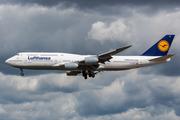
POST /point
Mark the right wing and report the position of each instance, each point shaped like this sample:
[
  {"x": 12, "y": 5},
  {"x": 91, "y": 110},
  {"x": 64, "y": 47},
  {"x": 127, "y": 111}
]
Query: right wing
[{"x": 108, "y": 55}]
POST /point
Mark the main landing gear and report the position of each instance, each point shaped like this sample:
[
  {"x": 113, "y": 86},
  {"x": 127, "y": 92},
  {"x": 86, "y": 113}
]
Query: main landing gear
[
  {"x": 21, "y": 72},
  {"x": 89, "y": 73}
]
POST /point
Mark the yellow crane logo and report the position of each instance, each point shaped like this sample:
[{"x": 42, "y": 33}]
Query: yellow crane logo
[{"x": 163, "y": 45}]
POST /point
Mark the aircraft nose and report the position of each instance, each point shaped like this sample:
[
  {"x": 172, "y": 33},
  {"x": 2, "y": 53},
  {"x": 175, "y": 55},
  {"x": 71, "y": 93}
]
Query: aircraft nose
[{"x": 7, "y": 61}]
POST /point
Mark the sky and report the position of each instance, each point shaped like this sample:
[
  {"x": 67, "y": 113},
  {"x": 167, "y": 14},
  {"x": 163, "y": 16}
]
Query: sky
[{"x": 89, "y": 27}]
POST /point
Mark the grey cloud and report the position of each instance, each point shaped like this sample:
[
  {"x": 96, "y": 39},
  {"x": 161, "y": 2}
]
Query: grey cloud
[
  {"x": 49, "y": 84},
  {"x": 140, "y": 93},
  {"x": 106, "y": 7},
  {"x": 57, "y": 96},
  {"x": 10, "y": 95},
  {"x": 168, "y": 69},
  {"x": 173, "y": 69},
  {"x": 94, "y": 3}
]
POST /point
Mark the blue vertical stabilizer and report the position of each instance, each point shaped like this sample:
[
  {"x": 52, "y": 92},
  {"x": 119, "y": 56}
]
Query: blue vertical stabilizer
[{"x": 161, "y": 48}]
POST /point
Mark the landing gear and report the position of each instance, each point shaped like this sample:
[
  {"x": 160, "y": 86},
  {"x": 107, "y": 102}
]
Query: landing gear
[
  {"x": 89, "y": 73},
  {"x": 84, "y": 74},
  {"x": 21, "y": 72},
  {"x": 93, "y": 75}
]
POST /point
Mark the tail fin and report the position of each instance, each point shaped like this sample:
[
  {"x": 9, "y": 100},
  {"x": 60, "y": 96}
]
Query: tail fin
[{"x": 161, "y": 48}]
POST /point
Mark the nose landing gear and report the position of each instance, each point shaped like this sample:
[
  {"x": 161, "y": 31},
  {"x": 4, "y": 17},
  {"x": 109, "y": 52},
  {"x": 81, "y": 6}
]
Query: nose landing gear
[{"x": 22, "y": 74}]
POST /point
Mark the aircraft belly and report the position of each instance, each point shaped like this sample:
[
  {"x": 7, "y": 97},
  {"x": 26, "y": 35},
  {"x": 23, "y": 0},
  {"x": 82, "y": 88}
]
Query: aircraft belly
[
  {"x": 40, "y": 67},
  {"x": 36, "y": 66}
]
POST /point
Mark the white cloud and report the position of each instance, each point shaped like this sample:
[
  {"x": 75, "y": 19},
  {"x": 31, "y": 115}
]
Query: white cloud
[
  {"x": 139, "y": 30},
  {"x": 109, "y": 31}
]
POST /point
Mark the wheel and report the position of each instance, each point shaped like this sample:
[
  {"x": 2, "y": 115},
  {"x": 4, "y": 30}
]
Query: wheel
[
  {"x": 84, "y": 74},
  {"x": 85, "y": 77},
  {"x": 22, "y": 74},
  {"x": 90, "y": 74},
  {"x": 93, "y": 75}
]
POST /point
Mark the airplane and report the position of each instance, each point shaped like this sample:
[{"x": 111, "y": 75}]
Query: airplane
[{"x": 90, "y": 65}]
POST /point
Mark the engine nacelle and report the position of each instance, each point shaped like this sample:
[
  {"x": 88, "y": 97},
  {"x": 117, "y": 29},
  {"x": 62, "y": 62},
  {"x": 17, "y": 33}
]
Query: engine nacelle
[
  {"x": 69, "y": 73},
  {"x": 91, "y": 60},
  {"x": 70, "y": 66}
]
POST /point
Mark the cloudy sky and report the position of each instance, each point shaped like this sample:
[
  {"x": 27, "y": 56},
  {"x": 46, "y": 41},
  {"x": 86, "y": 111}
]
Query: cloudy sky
[{"x": 89, "y": 27}]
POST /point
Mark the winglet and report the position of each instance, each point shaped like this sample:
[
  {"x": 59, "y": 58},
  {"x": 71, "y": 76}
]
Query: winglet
[{"x": 161, "y": 48}]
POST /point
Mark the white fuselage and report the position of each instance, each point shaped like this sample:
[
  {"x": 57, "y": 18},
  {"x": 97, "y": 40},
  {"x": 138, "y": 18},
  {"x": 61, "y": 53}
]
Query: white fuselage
[{"x": 53, "y": 61}]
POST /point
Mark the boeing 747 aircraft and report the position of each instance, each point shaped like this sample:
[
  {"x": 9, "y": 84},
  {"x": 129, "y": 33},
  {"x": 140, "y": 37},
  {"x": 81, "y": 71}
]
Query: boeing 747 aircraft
[{"x": 90, "y": 65}]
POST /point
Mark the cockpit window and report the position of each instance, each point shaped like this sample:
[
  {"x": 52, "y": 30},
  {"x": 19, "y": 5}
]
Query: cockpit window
[{"x": 17, "y": 54}]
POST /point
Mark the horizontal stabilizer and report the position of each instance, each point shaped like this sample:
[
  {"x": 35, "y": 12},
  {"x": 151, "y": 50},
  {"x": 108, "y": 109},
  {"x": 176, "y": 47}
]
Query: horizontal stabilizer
[{"x": 163, "y": 58}]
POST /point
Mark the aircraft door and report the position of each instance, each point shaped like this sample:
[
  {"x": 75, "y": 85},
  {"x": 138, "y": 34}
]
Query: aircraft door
[{"x": 25, "y": 61}]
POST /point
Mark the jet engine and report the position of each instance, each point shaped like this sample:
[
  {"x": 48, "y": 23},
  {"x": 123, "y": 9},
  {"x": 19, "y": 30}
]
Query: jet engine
[
  {"x": 69, "y": 73},
  {"x": 91, "y": 60},
  {"x": 70, "y": 66}
]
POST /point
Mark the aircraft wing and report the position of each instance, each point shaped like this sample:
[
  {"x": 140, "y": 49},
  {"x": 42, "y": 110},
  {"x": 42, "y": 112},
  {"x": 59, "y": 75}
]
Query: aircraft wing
[{"x": 108, "y": 55}]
